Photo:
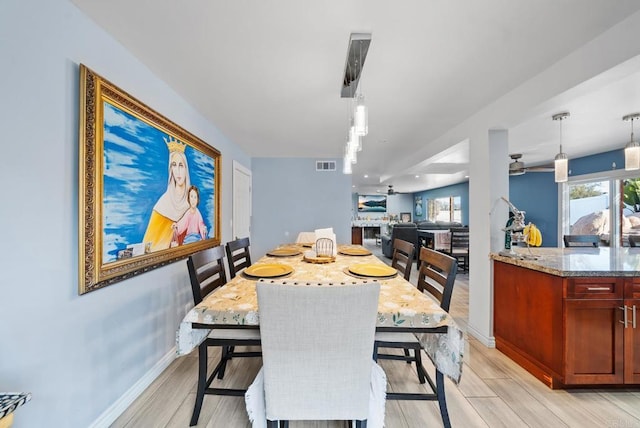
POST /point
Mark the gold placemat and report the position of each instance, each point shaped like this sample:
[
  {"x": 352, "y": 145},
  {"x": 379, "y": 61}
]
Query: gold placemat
[
  {"x": 284, "y": 252},
  {"x": 347, "y": 272},
  {"x": 354, "y": 251},
  {"x": 318, "y": 259},
  {"x": 268, "y": 270},
  {"x": 372, "y": 270}
]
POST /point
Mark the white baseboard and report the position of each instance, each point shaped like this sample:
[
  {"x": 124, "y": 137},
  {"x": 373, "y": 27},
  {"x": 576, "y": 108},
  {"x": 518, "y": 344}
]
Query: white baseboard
[
  {"x": 116, "y": 409},
  {"x": 488, "y": 341}
]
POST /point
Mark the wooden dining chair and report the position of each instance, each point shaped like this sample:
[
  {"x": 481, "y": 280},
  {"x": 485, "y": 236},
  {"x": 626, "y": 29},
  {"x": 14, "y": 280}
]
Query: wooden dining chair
[
  {"x": 581, "y": 240},
  {"x": 436, "y": 277},
  {"x": 402, "y": 260},
  {"x": 206, "y": 274},
  {"x": 317, "y": 343},
  {"x": 459, "y": 246},
  {"x": 238, "y": 255}
]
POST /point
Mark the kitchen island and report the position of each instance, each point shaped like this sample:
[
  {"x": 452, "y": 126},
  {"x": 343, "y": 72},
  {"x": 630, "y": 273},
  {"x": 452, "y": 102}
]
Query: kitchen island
[{"x": 570, "y": 315}]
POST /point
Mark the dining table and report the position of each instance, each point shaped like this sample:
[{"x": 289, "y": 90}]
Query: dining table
[{"x": 401, "y": 307}]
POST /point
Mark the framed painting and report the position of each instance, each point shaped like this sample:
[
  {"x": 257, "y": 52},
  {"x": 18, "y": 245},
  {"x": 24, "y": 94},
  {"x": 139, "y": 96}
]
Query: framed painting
[
  {"x": 405, "y": 217},
  {"x": 372, "y": 203},
  {"x": 149, "y": 191},
  {"x": 418, "y": 206}
]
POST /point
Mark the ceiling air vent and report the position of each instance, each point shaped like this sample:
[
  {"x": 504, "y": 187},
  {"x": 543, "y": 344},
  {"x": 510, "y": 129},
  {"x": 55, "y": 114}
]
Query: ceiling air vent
[{"x": 325, "y": 165}]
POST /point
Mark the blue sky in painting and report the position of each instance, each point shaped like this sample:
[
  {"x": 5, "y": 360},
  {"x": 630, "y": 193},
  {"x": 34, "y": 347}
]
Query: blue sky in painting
[{"x": 135, "y": 176}]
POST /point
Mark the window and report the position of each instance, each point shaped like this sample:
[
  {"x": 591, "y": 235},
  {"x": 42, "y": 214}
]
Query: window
[
  {"x": 603, "y": 204},
  {"x": 445, "y": 209}
]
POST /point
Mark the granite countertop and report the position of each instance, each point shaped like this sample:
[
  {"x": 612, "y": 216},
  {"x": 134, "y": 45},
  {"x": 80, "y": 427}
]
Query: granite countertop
[{"x": 569, "y": 262}]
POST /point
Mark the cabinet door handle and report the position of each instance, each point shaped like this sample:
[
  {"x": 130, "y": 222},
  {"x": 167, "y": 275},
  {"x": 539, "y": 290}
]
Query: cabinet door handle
[
  {"x": 624, "y": 315},
  {"x": 633, "y": 316},
  {"x": 598, "y": 289}
]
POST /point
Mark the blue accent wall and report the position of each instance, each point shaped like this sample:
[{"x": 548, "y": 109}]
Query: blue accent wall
[
  {"x": 290, "y": 196},
  {"x": 597, "y": 163},
  {"x": 536, "y": 193},
  {"x": 460, "y": 189}
]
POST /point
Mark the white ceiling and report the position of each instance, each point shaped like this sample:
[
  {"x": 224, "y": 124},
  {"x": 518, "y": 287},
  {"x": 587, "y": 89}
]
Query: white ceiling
[{"x": 268, "y": 74}]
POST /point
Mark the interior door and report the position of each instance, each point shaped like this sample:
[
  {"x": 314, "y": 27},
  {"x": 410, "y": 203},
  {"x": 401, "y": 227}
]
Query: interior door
[{"x": 241, "y": 222}]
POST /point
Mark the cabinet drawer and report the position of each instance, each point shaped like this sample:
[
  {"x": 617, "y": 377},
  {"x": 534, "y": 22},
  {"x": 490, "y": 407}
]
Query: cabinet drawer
[
  {"x": 595, "y": 288},
  {"x": 632, "y": 288}
]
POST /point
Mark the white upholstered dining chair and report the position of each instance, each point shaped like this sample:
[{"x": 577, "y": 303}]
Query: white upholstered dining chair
[{"x": 317, "y": 346}]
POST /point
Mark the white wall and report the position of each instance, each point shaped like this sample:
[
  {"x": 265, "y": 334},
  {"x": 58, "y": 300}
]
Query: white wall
[{"x": 77, "y": 355}]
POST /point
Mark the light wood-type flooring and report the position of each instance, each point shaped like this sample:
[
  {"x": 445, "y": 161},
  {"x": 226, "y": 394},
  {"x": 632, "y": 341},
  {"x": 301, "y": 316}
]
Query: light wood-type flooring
[{"x": 493, "y": 392}]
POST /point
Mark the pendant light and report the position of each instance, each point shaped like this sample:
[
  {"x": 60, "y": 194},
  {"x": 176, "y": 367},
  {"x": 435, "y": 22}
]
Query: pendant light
[
  {"x": 361, "y": 119},
  {"x": 632, "y": 149},
  {"x": 561, "y": 162},
  {"x": 346, "y": 163}
]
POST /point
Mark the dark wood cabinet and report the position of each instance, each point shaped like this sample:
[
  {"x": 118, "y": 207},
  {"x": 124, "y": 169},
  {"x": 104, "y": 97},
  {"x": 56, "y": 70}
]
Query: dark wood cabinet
[
  {"x": 568, "y": 331},
  {"x": 594, "y": 348},
  {"x": 528, "y": 320},
  {"x": 356, "y": 235},
  {"x": 632, "y": 331}
]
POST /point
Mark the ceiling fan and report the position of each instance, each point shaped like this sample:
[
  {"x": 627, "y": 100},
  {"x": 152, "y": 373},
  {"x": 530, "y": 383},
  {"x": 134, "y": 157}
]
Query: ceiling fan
[
  {"x": 517, "y": 167},
  {"x": 391, "y": 191}
]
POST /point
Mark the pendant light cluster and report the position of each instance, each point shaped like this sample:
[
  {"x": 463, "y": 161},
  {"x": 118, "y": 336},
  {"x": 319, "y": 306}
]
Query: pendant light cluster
[
  {"x": 358, "y": 116},
  {"x": 358, "y": 128},
  {"x": 631, "y": 150},
  {"x": 561, "y": 161}
]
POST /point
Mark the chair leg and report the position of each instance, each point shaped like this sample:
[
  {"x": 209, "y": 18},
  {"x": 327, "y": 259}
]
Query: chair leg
[
  {"x": 202, "y": 383},
  {"x": 408, "y": 355},
  {"x": 227, "y": 353},
  {"x": 442, "y": 399},
  {"x": 422, "y": 377}
]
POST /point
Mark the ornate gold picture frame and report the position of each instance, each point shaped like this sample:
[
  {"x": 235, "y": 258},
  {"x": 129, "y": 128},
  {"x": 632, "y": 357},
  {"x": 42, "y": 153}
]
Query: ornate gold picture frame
[{"x": 149, "y": 191}]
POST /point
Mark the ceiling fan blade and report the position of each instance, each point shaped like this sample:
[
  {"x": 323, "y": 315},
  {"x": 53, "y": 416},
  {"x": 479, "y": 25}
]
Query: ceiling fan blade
[{"x": 541, "y": 168}]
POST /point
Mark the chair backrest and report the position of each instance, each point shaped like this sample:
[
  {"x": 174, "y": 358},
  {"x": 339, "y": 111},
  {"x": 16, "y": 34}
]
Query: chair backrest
[
  {"x": 306, "y": 238},
  {"x": 402, "y": 260},
  {"x": 238, "y": 255},
  {"x": 437, "y": 275},
  {"x": 634, "y": 240},
  {"x": 317, "y": 347},
  {"x": 459, "y": 240},
  {"x": 581, "y": 240},
  {"x": 206, "y": 272},
  {"x": 324, "y": 247}
]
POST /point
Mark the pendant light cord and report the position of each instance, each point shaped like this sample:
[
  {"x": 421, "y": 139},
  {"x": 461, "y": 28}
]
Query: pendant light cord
[{"x": 561, "y": 119}]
